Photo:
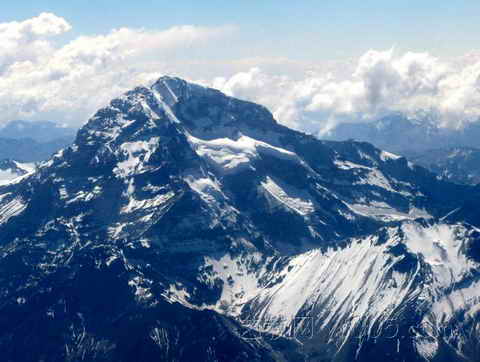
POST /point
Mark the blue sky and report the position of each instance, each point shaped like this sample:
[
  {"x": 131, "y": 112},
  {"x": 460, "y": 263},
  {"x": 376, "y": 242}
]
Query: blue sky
[{"x": 302, "y": 30}]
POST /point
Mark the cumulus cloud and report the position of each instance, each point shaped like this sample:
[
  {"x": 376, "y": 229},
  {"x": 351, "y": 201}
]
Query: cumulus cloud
[
  {"x": 40, "y": 79},
  {"x": 381, "y": 83},
  {"x": 23, "y": 41}
]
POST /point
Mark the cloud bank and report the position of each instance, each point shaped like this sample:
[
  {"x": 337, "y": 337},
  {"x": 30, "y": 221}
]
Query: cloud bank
[
  {"x": 41, "y": 78},
  {"x": 382, "y": 82}
]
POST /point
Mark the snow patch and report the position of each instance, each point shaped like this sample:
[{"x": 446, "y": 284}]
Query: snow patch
[
  {"x": 384, "y": 212},
  {"x": 137, "y": 153},
  {"x": 239, "y": 277},
  {"x": 155, "y": 202},
  {"x": 6, "y": 176},
  {"x": 386, "y": 156},
  {"x": 11, "y": 209},
  {"x": 289, "y": 197},
  {"x": 230, "y": 155}
]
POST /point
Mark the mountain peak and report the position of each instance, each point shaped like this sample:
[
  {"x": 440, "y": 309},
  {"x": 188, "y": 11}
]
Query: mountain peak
[
  {"x": 170, "y": 89},
  {"x": 173, "y": 90},
  {"x": 200, "y": 111}
]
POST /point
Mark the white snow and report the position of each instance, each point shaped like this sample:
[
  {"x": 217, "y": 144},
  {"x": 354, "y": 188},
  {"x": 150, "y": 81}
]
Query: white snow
[
  {"x": 2, "y": 196},
  {"x": 440, "y": 246},
  {"x": 142, "y": 288},
  {"x": 385, "y": 156},
  {"x": 164, "y": 93},
  {"x": 28, "y": 167},
  {"x": 6, "y": 176},
  {"x": 231, "y": 155},
  {"x": 384, "y": 212},
  {"x": 211, "y": 193},
  {"x": 166, "y": 98},
  {"x": 145, "y": 204},
  {"x": 293, "y": 199},
  {"x": 351, "y": 285},
  {"x": 12, "y": 176},
  {"x": 347, "y": 165},
  {"x": 427, "y": 348},
  {"x": 365, "y": 156},
  {"x": 240, "y": 282},
  {"x": 85, "y": 196},
  {"x": 136, "y": 152},
  {"x": 11, "y": 208},
  {"x": 376, "y": 178},
  {"x": 63, "y": 193},
  {"x": 177, "y": 293},
  {"x": 207, "y": 188},
  {"x": 371, "y": 175},
  {"x": 345, "y": 288}
]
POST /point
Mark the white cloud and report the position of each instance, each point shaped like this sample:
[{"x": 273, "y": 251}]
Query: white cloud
[
  {"x": 381, "y": 83},
  {"x": 42, "y": 80},
  {"x": 26, "y": 40}
]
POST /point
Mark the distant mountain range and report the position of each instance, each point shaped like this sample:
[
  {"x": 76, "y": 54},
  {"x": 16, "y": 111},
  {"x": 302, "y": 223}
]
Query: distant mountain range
[
  {"x": 28, "y": 150},
  {"x": 186, "y": 225},
  {"x": 39, "y": 131},
  {"x": 33, "y": 141},
  {"x": 397, "y": 133},
  {"x": 452, "y": 154},
  {"x": 457, "y": 164}
]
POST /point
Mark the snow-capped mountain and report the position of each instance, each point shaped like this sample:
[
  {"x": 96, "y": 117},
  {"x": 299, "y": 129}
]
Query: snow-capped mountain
[
  {"x": 183, "y": 224},
  {"x": 10, "y": 170}
]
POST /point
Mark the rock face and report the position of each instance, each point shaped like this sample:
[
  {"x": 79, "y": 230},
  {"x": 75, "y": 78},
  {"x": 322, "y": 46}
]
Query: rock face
[{"x": 183, "y": 224}]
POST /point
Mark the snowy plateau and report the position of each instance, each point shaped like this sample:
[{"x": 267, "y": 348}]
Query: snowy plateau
[{"x": 186, "y": 225}]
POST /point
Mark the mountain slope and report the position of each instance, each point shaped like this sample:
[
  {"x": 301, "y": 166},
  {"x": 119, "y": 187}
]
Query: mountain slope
[{"x": 179, "y": 205}]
